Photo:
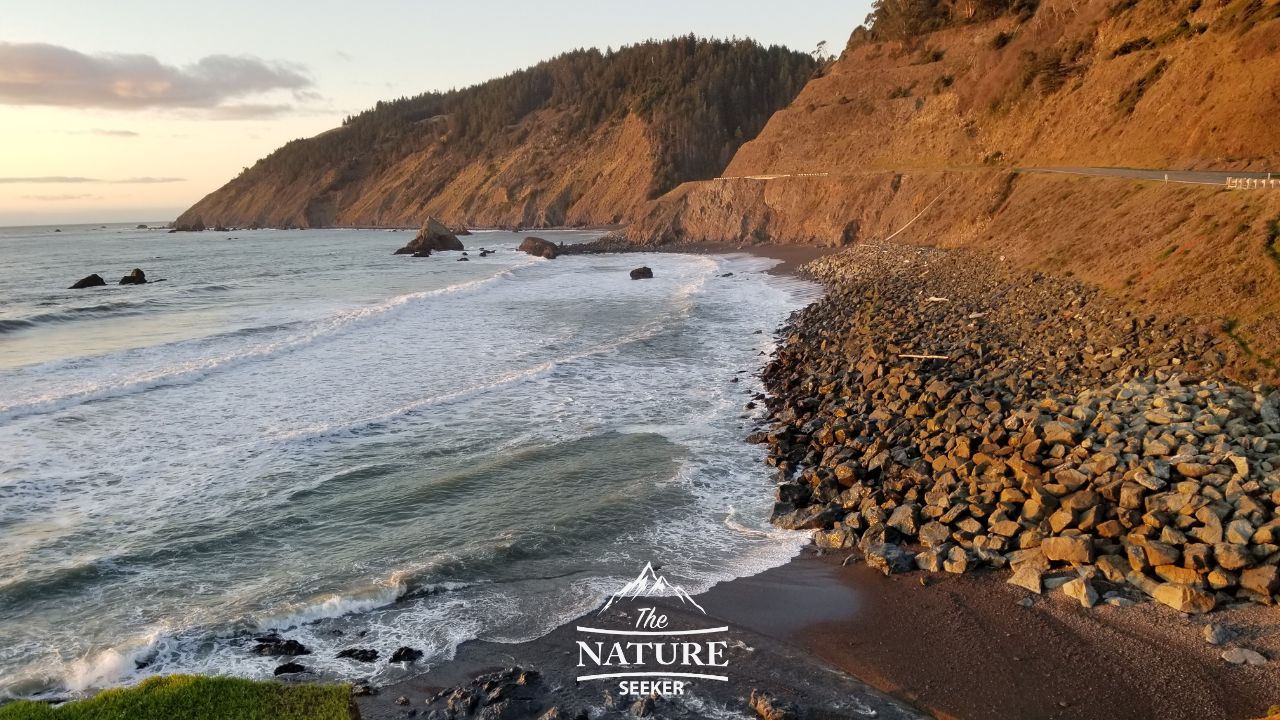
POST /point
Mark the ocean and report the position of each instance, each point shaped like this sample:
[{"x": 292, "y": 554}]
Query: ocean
[{"x": 298, "y": 431}]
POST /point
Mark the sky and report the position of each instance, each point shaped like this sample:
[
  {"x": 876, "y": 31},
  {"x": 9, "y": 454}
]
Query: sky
[{"x": 132, "y": 110}]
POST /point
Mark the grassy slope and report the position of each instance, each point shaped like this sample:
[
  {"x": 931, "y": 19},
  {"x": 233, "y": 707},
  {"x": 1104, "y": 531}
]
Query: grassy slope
[{"x": 207, "y": 698}]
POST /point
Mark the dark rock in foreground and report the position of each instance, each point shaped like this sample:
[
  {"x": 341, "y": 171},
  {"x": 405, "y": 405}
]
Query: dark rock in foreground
[
  {"x": 365, "y": 655},
  {"x": 406, "y": 654},
  {"x": 94, "y": 280},
  {"x": 642, "y": 273},
  {"x": 771, "y": 708},
  {"x": 275, "y": 646},
  {"x": 433, "y": 236},
  {"x": 290, "y": 668},
  {"x": 137, "y": 277},
  {"x": 539, "y": 248}
]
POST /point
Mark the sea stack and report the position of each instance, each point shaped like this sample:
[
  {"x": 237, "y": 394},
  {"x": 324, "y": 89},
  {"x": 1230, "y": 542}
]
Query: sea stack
[
  {"x": 94, "y": 280},
  {"x": 539, "y": 248},
  {"x": 137, "y": 277},
  {"x": 433, "y": 236}
]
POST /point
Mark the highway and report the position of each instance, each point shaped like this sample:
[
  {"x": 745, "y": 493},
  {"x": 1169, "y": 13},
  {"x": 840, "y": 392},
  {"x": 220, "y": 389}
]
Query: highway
[{"x": 1186, "y": 177}]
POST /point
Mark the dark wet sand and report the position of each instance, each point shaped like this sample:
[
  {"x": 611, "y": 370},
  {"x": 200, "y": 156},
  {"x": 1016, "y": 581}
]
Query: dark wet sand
[
  {"x": 958, "y": 647},
  {"x": 792, "y": 256},
  {"x": 761, "y": 611},
  {"x": 962, "y": 647}
]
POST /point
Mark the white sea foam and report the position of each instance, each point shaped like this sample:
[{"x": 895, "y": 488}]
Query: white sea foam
[
  {"x": 194, "y": 369},
  {"x": 274, "y": 480}
]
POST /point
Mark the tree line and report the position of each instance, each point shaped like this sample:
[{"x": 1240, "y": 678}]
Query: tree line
[{"x": 701, "y": 98}]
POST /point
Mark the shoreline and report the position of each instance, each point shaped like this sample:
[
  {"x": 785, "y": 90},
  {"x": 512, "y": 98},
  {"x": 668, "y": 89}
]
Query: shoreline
[
  {"x": 917, "y": 644},
  {"x": 956, "y": 647},
  {"x": 975, "y": 645}
]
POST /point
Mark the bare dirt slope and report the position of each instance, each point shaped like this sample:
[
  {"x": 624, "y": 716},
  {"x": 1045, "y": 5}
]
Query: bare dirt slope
[
  {"x": 918, "y": 141},
  {"x": 1083, "y": 82},
  {"x": 545, "y": 179}
]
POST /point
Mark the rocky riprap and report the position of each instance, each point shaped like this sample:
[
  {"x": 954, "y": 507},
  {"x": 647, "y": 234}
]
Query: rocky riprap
[{"x": 937, "y": 410}]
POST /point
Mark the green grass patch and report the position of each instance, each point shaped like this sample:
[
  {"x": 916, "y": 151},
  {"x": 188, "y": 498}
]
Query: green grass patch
[
  {"x": 1231, "y": 328},
  {"x": 1121, "y": 7},
  {"x": 1129, "y": 98},
  {"x": 1273, "y": 239},
  {"x": 1168, "y": 252},
  {"x": 1132, "y": 46},
  {"x": 206, "y": 698}
]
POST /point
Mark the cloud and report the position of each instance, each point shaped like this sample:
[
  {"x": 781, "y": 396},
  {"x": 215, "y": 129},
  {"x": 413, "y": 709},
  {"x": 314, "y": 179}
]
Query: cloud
[
  {"x": 45, "y": 179},
  {"x": 61, "y": 198},
  {"x": 148, "y": 180},
  {"x": 114, "y": 133},
  {"x": 43, "y": 74},
  {"x": 249, "y": 111},
  {"x": 68, "y": 179}
]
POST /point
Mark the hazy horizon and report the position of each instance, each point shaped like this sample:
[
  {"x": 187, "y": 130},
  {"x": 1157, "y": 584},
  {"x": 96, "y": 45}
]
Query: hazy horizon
[{"x": 128, "y": 116}]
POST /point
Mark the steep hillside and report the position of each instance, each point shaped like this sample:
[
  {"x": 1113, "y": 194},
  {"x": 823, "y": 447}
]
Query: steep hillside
[
  {"x": 917, "y": 138},
  {"x": 1156, "y": 83},
  {"x": 585, "y": 138}
]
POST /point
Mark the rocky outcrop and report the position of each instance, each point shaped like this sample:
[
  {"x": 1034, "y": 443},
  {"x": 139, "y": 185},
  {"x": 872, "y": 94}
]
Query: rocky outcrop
[
  {"x": 137, "y": 277},
  {"x": 642, "y": 273},
  {"x": 364, "y": 655},
  {"x": 94, "y": 280},
  {"x": 276, "y": 646},
  {"x": 432, "y": 237},
  {"x": 538, "y": 247},
  {"x": 945, "y": 402},
  {"x": 406, "y": 655}
]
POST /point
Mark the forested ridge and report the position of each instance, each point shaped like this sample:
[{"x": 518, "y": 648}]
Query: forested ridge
[{"x": 700, "y": 99}]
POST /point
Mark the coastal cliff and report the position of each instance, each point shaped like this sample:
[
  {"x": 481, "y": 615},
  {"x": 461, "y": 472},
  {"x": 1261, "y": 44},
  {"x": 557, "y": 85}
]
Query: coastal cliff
[
  {"x": 929, "y": 139},
  {"x": 583, "y": 139}
]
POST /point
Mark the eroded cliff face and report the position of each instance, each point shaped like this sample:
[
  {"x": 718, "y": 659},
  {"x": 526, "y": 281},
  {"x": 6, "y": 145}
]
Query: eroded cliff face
[
  {"x": 1083, "y": 82},
  {"x": 540, "y": 180},
  {"x": 918, "y": 142}
]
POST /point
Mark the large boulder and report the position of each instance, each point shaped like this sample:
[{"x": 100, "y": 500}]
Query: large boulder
[
  {"x": 539, "y": 248},
  {"x": 642, "y": 273},
  {"x": 889, "y": 558},
  {"x": 137, "y": 277},
  {"x": 432, "y": 236},
  {"x": 276, "y": 646},
  {"x": 94, "y": 280},
  {"x": 406, "y": 655},
  {"x": 364, "y": 655}
]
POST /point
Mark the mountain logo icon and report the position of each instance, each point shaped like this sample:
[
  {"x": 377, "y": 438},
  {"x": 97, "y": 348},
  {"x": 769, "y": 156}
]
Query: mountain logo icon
[{"x": 650, "y": 584}]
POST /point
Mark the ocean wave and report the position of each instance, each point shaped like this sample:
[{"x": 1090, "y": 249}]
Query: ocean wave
[
  {"x": 117, "y": 664},
  {"x": 336, "y": 605},
  {"x": 73, "y": 314},
  {"x": 197, "y": 369}
]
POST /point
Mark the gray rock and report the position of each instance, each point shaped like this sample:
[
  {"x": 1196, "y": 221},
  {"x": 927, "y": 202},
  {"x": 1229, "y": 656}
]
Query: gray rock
[
  {"x": 1244, "y": 656},
  {"x": 889, "y": 558}
]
